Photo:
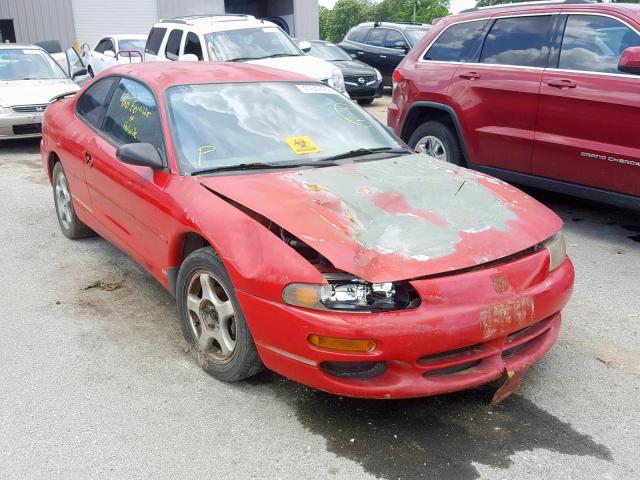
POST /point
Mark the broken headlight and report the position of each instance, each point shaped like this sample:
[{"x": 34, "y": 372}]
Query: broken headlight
[{"x": 347, "y": 293}]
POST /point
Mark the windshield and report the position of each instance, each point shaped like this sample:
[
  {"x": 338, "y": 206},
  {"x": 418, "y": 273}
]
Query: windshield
[
  {"x": 329, "y": 52},
  {"x": 221, "y": 125},
  {"x": 129, "y": 44},
  {"x": 416, "y": 34},
  {"x": 28, "y": 64},
  {"x": 250, "y": 44}
]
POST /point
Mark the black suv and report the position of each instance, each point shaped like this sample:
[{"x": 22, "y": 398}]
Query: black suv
[{"x": 383, "y": 45}]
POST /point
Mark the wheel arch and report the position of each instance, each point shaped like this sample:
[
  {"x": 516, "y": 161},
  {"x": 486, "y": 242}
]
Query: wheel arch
[
  {"x": 52, "y": 159},
  {"x": 184, "y": 245},
  {"x": 423, "y": 111}
]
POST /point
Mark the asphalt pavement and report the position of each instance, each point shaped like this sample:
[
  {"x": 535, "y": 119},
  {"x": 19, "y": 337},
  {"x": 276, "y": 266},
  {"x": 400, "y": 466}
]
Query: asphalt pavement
[{"x": 96, "y": 382}]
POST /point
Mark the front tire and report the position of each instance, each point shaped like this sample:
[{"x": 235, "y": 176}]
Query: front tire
[
  {"x": 212, "y": 321},
  {"x": 437, "y": 140},
  {"x": 365, "y": 101},
  {"x": 71, "y": 226}
]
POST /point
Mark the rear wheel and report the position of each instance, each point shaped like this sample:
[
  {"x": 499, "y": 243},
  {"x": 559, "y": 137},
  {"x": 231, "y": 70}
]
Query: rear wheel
[
  {"x": 71, "y": 226},
  {"x": 437, "y": 140},
  {"x": 212, "y": 321},
  {"x": 365, "y": 101}
]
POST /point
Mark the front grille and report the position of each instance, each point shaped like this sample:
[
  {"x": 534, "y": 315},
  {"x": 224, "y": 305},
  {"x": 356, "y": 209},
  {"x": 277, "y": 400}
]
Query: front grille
[
  {"x": 28, "y": 129},
  {"x": 366, "y": 79},
  {"x": 464, "y": 360},
  {"x": 29, "y": 108}
]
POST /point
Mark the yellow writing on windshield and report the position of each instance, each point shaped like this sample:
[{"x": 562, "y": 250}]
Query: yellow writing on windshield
[{"x": 204, "y": 150}]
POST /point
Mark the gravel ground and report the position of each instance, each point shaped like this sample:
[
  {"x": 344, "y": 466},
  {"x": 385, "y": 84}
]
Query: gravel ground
[{"x": 95, "y": 382}]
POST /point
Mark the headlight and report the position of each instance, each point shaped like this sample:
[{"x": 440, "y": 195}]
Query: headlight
[
  {"x": 337, "y": 80},
  {"x": 557, "y": 249},
  {"x": 348, "y": 293},
  {"x": 378, "y": 74}
]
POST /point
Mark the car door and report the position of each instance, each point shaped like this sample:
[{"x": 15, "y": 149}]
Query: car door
[
  {"x": 103, "y": 61},
  {"x": 587, "y": 129},
  {"x": 374, "y": 52},
  {"x": 89, "y": 109},
  {"x": 396, "y": 47},
  {"x": 129, "y": 200},
  {"x": 496, "y": 96}
]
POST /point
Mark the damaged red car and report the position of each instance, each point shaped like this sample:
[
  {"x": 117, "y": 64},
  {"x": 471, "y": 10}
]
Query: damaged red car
[{"x": 298, "y": 234}]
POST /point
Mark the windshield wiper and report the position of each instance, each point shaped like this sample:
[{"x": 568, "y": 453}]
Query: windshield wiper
[
  {"x": 243, "y": 59},
  {"x": 361, "y": 152},
  {"x": 251, "y": 166}
]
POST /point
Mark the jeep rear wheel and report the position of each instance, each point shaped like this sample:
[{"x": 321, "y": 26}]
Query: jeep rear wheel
[{"x": 438, "y": 141}]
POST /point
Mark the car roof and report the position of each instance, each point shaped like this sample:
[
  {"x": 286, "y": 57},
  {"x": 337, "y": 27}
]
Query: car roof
[
  {"x": 399, "y": 25},
  {"x": 160, "y": 76},
  {"x": 539, "y": 6},
  {"x": 215, "y": 23},
  {"x": 20, "y": 45}
]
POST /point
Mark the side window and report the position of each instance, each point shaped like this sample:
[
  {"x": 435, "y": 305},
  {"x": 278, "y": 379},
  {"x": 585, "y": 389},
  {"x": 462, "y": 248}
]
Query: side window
[
  {"x": 593, "y": 43},
  {"x": 395, "y": 39},
  {"x": 102, "y": 45},
  {"x": 93, "y": 102},
  {"x": 132, "y": 116},
  {"x": 154, "y": 40},
  {"x": 458, "y": 43},
  {"x": 172, "y": 50},
  {"x": 518, "y": 41},
  {"x": 109, "y": 45},
  {"x": 358, "y": 35},
  {"x": 192, "y": 45},
  {"x": 376, "y": 37}
]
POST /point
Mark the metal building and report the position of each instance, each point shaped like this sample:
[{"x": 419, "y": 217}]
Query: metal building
[{"x": 86, "y": 21}]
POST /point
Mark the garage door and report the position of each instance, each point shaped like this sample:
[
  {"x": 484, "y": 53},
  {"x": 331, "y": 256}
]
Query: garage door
[{"x": 93, "y": 19}]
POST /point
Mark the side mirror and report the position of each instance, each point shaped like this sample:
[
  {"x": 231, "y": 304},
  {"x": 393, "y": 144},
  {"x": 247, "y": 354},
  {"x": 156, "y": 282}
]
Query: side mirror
[
  {"x": 630, "y": 61},
  {"x": 79, "y": 73},
  {"x": 110, "y": 54},
  {"x": 188, "y": 57},
  {"x": 354, "y": 56},
  {"x": 140, "y": 154},
  {"x": 305, "y": 46}
]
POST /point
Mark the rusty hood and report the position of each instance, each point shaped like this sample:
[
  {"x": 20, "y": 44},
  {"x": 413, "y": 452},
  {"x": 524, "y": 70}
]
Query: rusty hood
[{"x": 395, "y": 219}]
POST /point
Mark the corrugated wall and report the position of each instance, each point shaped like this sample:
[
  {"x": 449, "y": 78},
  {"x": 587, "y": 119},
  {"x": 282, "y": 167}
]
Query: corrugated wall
[
  {"x": 178, "y": 8},
  {"x": 307, "y": 19},
  {"x": 36, "y": 20}
]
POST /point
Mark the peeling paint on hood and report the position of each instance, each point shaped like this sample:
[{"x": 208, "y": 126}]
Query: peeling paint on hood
[{"x": 396, "y": 218}]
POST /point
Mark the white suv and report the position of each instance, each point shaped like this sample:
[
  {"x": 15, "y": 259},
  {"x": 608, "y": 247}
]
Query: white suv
[{"x": 236, "y": 38}]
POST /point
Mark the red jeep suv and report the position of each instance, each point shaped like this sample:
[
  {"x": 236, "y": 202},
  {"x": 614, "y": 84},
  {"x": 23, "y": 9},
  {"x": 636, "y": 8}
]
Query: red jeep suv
[{"x": 542, "y": 94}]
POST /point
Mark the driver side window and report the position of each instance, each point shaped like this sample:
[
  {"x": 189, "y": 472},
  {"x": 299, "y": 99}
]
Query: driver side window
[
  {"x": 132, "y": 115},
  {"x": 395, "y": 39},
  {"x": 104, "y": 45},
  {"x": 593, "y": 43}
]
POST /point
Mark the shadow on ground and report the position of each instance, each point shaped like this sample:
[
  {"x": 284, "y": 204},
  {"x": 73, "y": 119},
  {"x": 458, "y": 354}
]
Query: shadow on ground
[{"x": 430, "y": 438}]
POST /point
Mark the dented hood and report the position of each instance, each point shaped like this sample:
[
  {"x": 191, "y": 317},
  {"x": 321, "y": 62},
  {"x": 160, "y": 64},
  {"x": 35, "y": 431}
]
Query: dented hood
[{"x": 395, "y": 219}]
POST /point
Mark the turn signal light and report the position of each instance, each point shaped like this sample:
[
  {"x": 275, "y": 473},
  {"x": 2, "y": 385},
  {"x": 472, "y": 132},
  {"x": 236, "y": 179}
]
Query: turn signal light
[
  {"x": 397, "y": 75},
  {"x": 343, "y": 344}
]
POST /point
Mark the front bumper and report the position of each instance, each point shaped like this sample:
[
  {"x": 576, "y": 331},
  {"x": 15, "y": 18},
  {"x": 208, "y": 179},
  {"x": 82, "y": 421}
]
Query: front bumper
[
  {"x": 463, "y": 335},
  {"x": 20, "y": 125},
  {"x": 359, "y": 92}
]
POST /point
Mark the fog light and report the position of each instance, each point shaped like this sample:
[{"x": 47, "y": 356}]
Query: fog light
[{"x": 343, "y": 344}]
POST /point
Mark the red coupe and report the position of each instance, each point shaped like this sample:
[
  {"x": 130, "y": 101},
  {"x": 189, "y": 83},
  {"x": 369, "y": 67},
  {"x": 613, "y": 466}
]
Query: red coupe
[{"x": 298, "y": 233}]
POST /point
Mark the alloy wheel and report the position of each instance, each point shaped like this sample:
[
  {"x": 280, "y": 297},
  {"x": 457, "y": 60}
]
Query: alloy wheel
[
  {"x": 211, "y": 316},
  {"x": 432, "y": 146},
  {"x": 63, "y": 201}
]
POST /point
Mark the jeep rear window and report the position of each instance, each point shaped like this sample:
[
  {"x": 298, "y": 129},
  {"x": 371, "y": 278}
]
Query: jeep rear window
[
  {"x": 358, "y": 35},
  {"x": 155, "y": 39},
  {"x": 458, "y": 43},
  {"x": 519, "y": 41}
]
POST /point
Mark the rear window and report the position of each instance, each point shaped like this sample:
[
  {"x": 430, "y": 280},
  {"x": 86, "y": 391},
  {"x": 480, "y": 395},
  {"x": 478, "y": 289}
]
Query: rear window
[
  {"x": 92, "y": 103},
  {"x": 519, "y": 41},
  {"x": 155, "y": 39},
  {"x": 358, "y": 35},
  {"x": 458, "y": 43}
]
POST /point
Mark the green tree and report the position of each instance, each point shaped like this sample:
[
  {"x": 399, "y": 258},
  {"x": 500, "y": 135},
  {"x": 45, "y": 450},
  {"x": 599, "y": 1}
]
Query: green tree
[
  {"x": 346, "y": 14},
  {"x": 402, "y": 10},
  {"x": 326, "y": 19}
]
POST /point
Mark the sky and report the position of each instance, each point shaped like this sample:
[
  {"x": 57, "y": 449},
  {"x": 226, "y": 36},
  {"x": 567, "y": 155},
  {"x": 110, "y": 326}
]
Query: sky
[{"x": 456, "y": 5}]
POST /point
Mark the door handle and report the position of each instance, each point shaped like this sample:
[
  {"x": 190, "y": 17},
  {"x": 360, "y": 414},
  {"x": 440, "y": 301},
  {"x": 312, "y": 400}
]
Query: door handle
[
  {"x": 383, "y": 56},
  {"x": 469, "y": 75},
  {"x": 562, "y": 84},
  {"x": 88, "y": 159}
]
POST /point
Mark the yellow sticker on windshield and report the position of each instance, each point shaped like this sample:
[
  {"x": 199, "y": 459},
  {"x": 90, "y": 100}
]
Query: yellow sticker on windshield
[{"x": 302, "y": 145}]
